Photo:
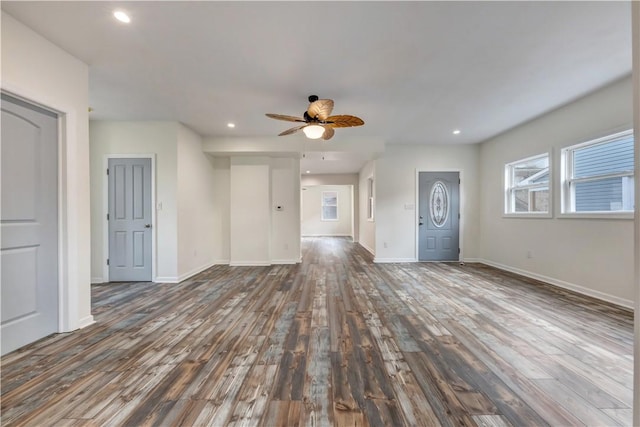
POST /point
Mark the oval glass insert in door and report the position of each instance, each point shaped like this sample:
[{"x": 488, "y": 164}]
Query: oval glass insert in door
[{"x": 439, "y": 204}]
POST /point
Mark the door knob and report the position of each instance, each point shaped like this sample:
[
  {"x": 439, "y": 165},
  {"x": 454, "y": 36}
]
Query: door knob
[
  {"x": 147, "y": 226},
  {"x": 420, "y": 223}
]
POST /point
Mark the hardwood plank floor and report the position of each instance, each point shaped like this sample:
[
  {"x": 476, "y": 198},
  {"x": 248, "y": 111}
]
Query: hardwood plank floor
[{"x": 335, "y": 340}]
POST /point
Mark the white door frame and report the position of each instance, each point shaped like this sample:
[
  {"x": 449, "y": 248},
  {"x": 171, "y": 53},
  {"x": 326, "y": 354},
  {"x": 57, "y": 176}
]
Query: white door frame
[
  {"x": 105, "y": 208},
  {"x": 417, "y": 210},
  {"x": 67, "y": 289}
]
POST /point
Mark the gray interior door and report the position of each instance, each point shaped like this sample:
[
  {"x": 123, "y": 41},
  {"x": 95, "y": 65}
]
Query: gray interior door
[
  {"x": 29, "y": 223},
  {"x": 438, "y": 225},
  {"x": 130, "y": 220}
]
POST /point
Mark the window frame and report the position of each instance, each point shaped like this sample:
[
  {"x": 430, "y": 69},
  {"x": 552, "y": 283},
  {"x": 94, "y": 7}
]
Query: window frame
[
  {"x": 567, "y": 190},
  {"x": 323, "y": 204},
  {"x": 509, "y": 189}
]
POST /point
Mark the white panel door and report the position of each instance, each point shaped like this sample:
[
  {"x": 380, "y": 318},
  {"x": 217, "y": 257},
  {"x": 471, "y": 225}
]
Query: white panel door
[
  {"x": 29, "y": 222},
  {"x": 130, "y": 220}
]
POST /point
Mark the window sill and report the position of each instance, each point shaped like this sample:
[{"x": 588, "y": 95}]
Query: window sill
[
  {"x": 597, "y": 215},
  {"x": 541, "y": 215}
]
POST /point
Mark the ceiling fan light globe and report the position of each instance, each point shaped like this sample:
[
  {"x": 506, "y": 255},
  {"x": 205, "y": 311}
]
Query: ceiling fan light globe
[{"x": 313, "y": 131}]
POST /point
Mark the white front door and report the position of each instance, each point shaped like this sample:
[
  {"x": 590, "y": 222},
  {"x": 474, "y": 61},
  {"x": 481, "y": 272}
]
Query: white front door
[{"x": 29, "y": 222}]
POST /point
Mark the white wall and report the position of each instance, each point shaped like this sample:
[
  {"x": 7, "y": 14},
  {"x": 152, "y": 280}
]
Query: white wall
[
  {"x": 40, "y": 72},
  {"x": 158, "y": 139},
  {"x": 594, "y": 256},
  {"x": 221, "y": 188},
  {"x": 366, "y": 227},
  {"x": 196, "y": 205},
  {"x": 250, "y": 210},
  {"x": 312, "y": 224},
  {"x": 351, "y": 179},
  {"x": 396, "y": 197},
  {"x": 285, "y": 223}
]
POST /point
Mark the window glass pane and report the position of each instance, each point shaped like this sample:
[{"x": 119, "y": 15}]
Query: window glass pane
[
  {"x": 329, "y": 212},
  {"x": 329, "y": 205},
  {"x": 600, "y": 159},
  {"x": 610, "y": 194},
  {"x": 534, "y": 171},
  {"x": 521, "y": 200},
  {"x": 527, "y": 185},
  {"x": 540, "y": 201},
  {"x": 330, "y": 198}
]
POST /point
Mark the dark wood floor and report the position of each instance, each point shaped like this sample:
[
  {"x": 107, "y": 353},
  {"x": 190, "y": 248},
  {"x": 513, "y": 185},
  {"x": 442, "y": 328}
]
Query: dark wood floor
[{"x": 335, "y": 340}]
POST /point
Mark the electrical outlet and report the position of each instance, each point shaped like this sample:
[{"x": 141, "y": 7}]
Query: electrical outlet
[
  {"x": 529, "y": 254},
  {"x": 384, "y": 244}
]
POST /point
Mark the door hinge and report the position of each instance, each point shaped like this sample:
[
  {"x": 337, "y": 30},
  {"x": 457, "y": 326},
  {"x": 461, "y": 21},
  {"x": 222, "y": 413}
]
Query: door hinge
[
  {"x": 107, "y": 217},
  {"x": 458, "y": 251},
  {"x": 107, "y": 171},
  {"x": 107, "y": 261},
  {"x": 458, "y": 215},
  {"x": 458, "y": 179}
]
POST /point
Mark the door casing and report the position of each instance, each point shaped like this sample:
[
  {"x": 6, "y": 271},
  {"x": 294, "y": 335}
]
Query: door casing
[
  {"x": 417, "y": 210},
  {"x": 105, "y": 206}
]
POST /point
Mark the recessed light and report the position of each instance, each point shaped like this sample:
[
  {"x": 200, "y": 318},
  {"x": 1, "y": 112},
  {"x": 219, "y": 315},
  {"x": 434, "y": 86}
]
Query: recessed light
[
  {"x": 456, "y": 132},
  {"x": 122, "y": 16},
  {"x": 308, "y": 171},
  {"x": 231, "y": 125}
]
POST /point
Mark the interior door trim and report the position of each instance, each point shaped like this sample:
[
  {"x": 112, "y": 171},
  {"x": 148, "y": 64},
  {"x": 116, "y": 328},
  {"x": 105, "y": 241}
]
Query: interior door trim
[
  {"x": 461, "y": 197},
  {"x": 105, "y": 211}
]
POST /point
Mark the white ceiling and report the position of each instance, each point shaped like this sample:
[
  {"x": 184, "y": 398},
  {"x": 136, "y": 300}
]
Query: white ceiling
[{"x": 414, "y": 71}]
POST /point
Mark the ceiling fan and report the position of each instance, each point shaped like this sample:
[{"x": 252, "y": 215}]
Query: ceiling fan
[{"x": 317, "y": 120}]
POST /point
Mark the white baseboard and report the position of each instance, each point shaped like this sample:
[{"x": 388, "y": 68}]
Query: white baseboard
[
  {"x": 86, "y": 321},
  {"x": 562, "y": 284},
  {"x": 371, "y": 251},
  {"x": 250, "y": 264},
  {"x": 392, "y": 260},
  {"x": 327, "y": 235},
  {"x": 195, "y": 271},
  {"x": 166, "y": 279},
  {"x": 256, "y": 263},
  {"x": 96, "y": 280}
]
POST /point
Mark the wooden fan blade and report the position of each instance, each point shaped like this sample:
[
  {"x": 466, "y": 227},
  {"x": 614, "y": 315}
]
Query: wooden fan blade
[
  {"x": 344, "y": 121},
  {"x": 328, "y": 133},
  {"x": 292, "y": 130},
  {"x": 320, "y": 109},
  {"x": 285, "y": 118}
]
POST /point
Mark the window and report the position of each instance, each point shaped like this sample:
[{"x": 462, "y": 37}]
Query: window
[
  {"x": 329, "y": 206},
  {"x": 598, "y": 175},
  {"x": 370, "y": 204},
  {"x": 527, "y": 186}
]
